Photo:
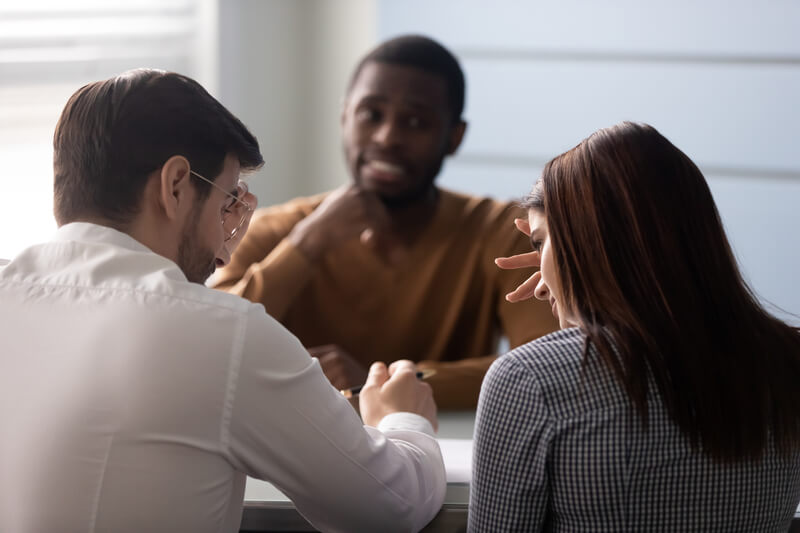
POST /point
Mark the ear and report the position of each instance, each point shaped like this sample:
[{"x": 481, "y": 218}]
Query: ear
[
  {"x": 175, "y": 187},
  {"x": 456, "y": 136}
]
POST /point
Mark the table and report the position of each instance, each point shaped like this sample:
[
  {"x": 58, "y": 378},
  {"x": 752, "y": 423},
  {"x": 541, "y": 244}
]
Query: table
[{"x": 267, "y": 509}]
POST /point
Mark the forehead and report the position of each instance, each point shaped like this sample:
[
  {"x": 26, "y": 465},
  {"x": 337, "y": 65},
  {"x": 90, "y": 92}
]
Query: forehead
[
  {"x": 400, "y": 84},
  {"x": 537, "y": 220}
]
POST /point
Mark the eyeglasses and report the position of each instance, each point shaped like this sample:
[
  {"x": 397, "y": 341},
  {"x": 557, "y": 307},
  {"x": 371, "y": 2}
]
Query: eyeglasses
[{"x": 232, "y": 219}]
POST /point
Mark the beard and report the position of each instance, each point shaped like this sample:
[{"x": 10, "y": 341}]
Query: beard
[
  {"x": 416, "y": 190},
  {"x": 196, "y": 262},
  {"x": 415, "y": 194},
  {"x": 408, "y": 198}
]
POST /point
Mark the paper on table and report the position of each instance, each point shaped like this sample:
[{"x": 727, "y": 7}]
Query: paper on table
[{"x": 457, "y": 454}]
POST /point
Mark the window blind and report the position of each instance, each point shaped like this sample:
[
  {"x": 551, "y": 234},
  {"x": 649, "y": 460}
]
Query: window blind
[{"x": 48, "y": 49}]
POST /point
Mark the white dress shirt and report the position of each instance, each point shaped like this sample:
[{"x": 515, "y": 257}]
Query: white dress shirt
[{"x": 133, "y": 400}]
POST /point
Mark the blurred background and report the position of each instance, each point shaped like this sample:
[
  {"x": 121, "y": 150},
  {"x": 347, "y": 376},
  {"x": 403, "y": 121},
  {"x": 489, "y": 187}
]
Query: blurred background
[{"x": 721, "y": 79}]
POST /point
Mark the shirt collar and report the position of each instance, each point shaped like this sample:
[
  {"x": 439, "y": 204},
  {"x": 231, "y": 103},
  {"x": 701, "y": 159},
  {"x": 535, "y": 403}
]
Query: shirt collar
[{"x": 88, "y": 232}]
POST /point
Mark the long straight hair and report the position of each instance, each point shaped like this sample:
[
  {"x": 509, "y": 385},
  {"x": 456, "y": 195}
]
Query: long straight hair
[{"x": 648, "y": 273}]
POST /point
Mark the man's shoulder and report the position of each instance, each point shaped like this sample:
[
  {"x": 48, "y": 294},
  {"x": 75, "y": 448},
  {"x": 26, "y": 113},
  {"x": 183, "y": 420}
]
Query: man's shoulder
[
  {"x": 279, "y": 219},
  {"x": 485, "y": 222},
  {"x": 300, "y": 206},
  {"x": 480, "y": 209}
]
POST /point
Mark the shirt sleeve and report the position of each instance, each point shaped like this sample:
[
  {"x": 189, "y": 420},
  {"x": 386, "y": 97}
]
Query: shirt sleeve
[
  {"x": 289, "y": 426},
  {"x": 266, "y": 268},
  {"x": 510, "y": 489}
]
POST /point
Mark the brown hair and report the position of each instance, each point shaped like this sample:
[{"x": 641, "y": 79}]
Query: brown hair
[
  {"x": 648, "y": 273},
  {"x": 114, "y": 133}
]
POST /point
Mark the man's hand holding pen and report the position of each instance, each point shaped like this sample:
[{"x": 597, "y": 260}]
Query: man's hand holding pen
[{"x": 395, "y": 389}]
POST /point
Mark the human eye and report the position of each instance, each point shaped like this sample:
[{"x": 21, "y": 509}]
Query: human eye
[
  {"x": 536, "y": 244},
  {"x": 368, "y": 114},
  {"x": 417, "y": 122}
]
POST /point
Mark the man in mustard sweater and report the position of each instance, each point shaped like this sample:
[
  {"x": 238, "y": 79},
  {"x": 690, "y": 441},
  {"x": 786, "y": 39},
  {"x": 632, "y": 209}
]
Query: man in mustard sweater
[{"x": 390, "y": 266}]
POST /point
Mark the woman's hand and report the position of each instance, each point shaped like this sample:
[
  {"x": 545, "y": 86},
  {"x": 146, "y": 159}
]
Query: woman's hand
[{"x": 527, "y": 260}]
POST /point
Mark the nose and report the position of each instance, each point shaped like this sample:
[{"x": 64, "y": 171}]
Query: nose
[
  {"x": 386, "y": 134},
  {"x": 541, "y": 292},
  {"x": 223, "y": 256}
]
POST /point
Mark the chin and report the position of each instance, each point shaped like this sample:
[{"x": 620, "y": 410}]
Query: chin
[
  {"x": 394, "y": 201},
  {"x": 404, "y": 198}
]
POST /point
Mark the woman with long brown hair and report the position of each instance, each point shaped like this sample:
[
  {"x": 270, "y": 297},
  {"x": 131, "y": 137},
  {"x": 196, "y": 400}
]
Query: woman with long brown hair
[{"x": 670, "y": 400}]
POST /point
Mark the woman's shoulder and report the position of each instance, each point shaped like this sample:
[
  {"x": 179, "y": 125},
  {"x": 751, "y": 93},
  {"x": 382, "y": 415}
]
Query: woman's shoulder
[
  {"x": 555, "y": 354},
  {"x": 564, "y": 345},
  {"x": 554, "y": 370}
]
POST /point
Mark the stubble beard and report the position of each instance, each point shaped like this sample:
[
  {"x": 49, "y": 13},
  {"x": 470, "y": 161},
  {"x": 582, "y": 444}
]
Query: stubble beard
[{"x": 196, "y": 263}]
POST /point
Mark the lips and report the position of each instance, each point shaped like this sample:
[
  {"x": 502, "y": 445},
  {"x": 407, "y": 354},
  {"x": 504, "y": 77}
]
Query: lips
[
  {"x": 382, "y": 170},
  {"x": 386, "y": 166}
]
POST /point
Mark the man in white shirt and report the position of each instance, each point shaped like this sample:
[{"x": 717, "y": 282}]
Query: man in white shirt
[{"x": 133, "y": 398}]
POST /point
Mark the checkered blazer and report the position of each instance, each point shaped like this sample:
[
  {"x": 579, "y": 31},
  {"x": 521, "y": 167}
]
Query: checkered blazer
[{"x": 557, "y": 451}]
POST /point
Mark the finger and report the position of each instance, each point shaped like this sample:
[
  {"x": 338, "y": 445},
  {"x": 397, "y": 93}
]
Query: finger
[
  {"x": 368, "y": 238},
  {"x": 402, "y": 364},
  {"x": 387, "y": 247},
  {"x": 379, "y": 218},
  {"x": 526, "y": 290},
  {"x": 523, "y": 225},
  {"x": 378, "y": 374},
  {"x": 528, "y": 259}
]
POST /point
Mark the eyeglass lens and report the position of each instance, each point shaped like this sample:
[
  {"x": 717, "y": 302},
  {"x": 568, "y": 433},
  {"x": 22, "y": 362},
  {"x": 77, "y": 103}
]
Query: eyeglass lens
[{"x": 235, "y": 212}]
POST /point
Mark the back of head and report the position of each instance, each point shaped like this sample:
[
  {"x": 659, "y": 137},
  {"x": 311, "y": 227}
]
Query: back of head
[
  {"x": 425, "y": 54},
  {"x": 643, "y": 260},
  {"x": 114, "y": 133}
]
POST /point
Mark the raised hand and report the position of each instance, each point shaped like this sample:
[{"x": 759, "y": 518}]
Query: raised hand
[
  {"x": 527, "y": 260},
  {"x": 347, "y": 213}
]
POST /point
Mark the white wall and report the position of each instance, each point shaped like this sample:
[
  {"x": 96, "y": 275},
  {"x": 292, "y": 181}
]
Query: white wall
[
  {"x": 283, "y": 69},
  {"x": 721, "y": 79},
  {"x": 48, "y": 49}
]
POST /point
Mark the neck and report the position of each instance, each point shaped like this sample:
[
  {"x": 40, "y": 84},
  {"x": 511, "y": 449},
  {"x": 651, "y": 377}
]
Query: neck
[
  {"x": 147, "y": 231},
  {"x": 409, "y": 220}
]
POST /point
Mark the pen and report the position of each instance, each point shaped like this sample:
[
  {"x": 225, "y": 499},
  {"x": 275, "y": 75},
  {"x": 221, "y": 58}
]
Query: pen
[{"x": 353, "y": 391}]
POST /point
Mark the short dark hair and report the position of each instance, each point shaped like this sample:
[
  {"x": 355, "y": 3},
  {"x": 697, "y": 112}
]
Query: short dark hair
[
  {"x": 114, "y": 133},
  {"x": 421, "y": 52}
]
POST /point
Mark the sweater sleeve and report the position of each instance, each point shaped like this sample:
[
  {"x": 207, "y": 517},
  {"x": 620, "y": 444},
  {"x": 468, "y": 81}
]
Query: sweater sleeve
[{"x": 266, "y": 268}]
